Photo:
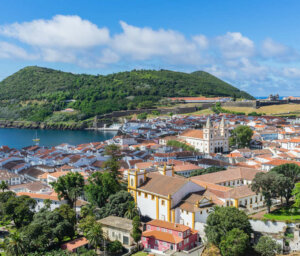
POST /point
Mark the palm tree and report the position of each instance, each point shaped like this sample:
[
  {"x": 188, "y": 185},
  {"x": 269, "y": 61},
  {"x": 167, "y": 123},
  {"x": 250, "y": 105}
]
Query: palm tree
[
  {"x": 14, "y": 245},
  {"x": 3, "y": 185},
  {"x": 131, "y": 211},
  {"x": 95, "y": 236}
]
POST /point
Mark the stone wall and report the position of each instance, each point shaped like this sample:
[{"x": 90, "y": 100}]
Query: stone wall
[{"x": 247, "y": 104}]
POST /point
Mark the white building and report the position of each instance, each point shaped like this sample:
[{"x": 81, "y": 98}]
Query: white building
[{"x": 210, "y": 139}]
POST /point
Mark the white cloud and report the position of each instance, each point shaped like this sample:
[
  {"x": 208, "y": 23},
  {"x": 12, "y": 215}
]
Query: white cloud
[
  {"x": 8, "y": 51},
  {"x": 201, "y": 41},
  {"x": 60, "y": 31},
  {"x": 291, "y": 72},
  {"x": 145, "y": 43},
  {"x": 281, "y": 52},
  {"x": 235, "y": 45},
  {"x": 271, "y": 48}
]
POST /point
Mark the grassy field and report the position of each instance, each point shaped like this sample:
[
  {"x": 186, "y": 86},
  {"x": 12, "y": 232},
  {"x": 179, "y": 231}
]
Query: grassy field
[
  {"x": 140, "y": 254},
  {"x": 201, "y": 112},
  {"x": 284, "y": 214},
  {"x": 270, "y": 110}
]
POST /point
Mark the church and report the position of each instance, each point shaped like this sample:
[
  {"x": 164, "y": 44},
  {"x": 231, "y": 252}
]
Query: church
[{"x": 211, "y": 139}]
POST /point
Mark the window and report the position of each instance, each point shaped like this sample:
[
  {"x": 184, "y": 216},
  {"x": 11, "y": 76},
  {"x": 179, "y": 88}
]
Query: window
[
  {"x": 131, "y": 182},
  {"x": 256, "y": 199},
  {"x": 126, "y": 240},
  {"x": 170, "y": 231},
  {"x": 162, "y": 202},
  {"x": 188, "y": 232},
  {"x": 144, "y": 238},
  {"x": 148, "y": 227},
  {"x": 139, "y": 193},
  {"x": 156, "y": 242},
  {"x": 250, "y": 200},
  {"x": 152, "y": 197},
  {"x": 146, "y": 195},
  {"x": 180, "y": 234},
  {"x": 157, "y": 228},
  {"x": 227, "y": 203}
]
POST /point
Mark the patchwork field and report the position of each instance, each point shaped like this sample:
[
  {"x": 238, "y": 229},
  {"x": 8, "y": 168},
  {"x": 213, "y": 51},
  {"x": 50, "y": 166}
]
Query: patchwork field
[{"x": 288, "y": 109}]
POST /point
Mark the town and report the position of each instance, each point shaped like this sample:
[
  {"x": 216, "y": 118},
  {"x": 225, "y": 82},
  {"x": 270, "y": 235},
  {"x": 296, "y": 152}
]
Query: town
[{"x": 164, "y": 185}]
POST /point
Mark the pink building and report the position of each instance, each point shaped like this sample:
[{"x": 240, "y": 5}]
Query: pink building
[{"x": 162, "y": 236}]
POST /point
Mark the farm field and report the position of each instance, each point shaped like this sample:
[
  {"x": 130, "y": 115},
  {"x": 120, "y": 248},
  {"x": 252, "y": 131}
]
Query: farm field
[{"x": 270, "y": 110}]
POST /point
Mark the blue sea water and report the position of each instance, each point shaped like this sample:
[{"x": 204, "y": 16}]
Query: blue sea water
[{"x": 19, "y": 138}]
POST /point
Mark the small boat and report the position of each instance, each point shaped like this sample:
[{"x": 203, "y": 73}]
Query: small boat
[{"x": 36, "y": 139}]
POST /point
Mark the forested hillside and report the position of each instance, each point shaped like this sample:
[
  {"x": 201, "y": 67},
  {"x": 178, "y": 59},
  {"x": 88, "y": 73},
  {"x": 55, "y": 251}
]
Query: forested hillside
[{"x": 34, "y": 93}]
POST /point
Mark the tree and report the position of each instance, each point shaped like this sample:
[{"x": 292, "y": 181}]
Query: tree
[
  {"x": 87, "y": 210},
  {"x": 47, "y": 229},
  {"x": 19, "y": 209},
  {"x": 224, "y": 219},
  {"x": 136, "y": 231},
  {"x": 266, "y": 246},
  {"x": 284, "y": 187},
  {"x": 296, "y": 194},
  {"x": 288, "y": 175},
  {"x": 67, "y": 213},
  {"x": 211, "y": 250},
  {"x": 234, "y": 243},
  {"x": 69, "y": 187},
  {"x": 95, "y": 235},
  {"x": 131, "y": 210},
  {"x": 47, "y": 204},
  {"x": 266, "y": 184},
  {"x": 14, "y": 245},
  {"x": 86, "y": 224},
  {"x": 115, "y": 247},
  {"x": 100, "y": 186},
  {"x": 113, "y": 164},
  {"x": 116, "y": 205},
  {"x": 241, "y": 136},
  {"x": 288, "y": 170},
  {"x": 3, "y": 186},
  {"x": 142, "y": 116}
]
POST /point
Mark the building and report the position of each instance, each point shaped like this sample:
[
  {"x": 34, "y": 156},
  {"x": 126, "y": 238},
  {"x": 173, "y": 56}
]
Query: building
[
  {"x": 157, "y": 193},
  {"x": 10, "y": 178},
  {"x": 117, "y": 228},
  {"x": 164, "y": 236},
  {"x": 55, "y": 202},
  {"x": 162, "y": 195},
  {"x": 74, "y": 245},
  {"x": 210, "y": 139}
]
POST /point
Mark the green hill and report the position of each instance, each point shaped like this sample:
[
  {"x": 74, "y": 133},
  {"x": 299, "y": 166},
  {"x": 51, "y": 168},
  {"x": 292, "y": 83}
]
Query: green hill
[{"x": 34, "y": 93}]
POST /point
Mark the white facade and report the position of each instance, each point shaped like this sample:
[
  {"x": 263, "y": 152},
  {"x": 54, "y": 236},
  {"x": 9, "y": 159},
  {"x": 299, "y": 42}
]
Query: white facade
[{"x": 210, "y": 139}]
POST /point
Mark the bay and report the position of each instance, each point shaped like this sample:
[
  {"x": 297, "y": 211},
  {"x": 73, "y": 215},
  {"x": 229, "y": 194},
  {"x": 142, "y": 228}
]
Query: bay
[{"x": 19, "y": 138}]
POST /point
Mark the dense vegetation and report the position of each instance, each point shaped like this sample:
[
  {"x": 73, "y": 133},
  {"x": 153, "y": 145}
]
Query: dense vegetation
[
  {"x": 43, "y": 232},
  {"x": 34, "y": 93}
]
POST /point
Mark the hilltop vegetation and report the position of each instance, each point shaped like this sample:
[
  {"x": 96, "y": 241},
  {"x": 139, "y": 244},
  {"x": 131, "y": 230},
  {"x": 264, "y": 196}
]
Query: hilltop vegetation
[{"x": 34, "y": 93}]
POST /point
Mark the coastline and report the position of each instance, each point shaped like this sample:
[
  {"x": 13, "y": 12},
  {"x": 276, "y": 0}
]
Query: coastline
[{"x": 43, "y": 125}]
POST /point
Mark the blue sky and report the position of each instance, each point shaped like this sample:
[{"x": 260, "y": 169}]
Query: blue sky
[{"x": 252, "y": 44}]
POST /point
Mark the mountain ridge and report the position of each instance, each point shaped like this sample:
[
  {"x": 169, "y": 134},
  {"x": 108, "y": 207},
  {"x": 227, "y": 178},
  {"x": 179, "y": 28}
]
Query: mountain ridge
[{"x": 98, "y": 94}]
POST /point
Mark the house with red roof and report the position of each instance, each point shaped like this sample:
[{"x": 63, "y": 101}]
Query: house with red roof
[{"x": 165, "y": 236}]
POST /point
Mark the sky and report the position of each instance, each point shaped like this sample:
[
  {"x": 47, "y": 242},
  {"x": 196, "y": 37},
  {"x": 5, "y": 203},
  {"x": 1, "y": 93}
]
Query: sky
[{"x": 252, "y": 44}]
